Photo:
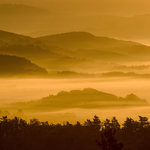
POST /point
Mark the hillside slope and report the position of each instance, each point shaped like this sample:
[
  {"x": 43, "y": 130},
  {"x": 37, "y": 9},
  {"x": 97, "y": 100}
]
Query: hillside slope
[
  {"x": 87, "y": 98},
  {"x": 75, "y": 40},
  {"x": 18, "y": 66}
]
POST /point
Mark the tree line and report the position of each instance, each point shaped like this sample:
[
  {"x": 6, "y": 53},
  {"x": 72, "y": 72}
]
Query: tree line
[{"x": 93, "y": 134}]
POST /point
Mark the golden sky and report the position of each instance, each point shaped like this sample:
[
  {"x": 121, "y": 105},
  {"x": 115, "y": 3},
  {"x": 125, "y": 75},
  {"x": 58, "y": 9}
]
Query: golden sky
[{"x": 97, "y": 7}]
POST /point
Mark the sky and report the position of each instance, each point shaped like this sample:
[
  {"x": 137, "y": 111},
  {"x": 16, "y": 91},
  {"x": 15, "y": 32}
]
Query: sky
[
  {"x": 96, "y": 7},
  {"x": 80, "y": 15}
]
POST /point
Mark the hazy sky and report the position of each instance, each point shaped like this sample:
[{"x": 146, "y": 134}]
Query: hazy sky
[{"x": 117, "y": 7}]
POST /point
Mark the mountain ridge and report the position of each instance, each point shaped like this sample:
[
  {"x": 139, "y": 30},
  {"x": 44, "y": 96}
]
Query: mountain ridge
[
  {"x": 82, "y": 39},
  {"x": 87, "y": 98},
  {"x": 11, "y": 66},
  {"x": 20, "y": 9}
]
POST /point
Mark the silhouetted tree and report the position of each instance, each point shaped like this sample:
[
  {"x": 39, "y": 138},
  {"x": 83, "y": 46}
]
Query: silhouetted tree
[
  {"x": 108, "y": 141},
  {"x": 96, "y": 122},
  {"x": 143, "y": 121},
  {"x": 16, "y": 134}
]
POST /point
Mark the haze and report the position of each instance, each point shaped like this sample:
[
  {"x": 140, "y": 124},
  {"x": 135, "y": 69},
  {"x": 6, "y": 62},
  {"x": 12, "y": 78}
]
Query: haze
[
  {"x": 90, "y": 7},
  {"x": 52, "y": 51},
  {"x": 126, "y": 19}
]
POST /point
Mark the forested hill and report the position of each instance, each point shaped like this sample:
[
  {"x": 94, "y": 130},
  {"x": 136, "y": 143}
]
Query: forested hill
[
  {"x": 74, "y": 50},
  {"x": 87, "y": 99},
  {"x": 75, "y": 40},
  {"x": 17, "y": 10},
  {"x": 9, "y": 38},
  {"x": 18, "y": 66}
]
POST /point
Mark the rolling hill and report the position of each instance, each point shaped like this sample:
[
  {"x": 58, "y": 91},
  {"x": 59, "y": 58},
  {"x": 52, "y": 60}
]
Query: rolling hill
[
  {"x": 11, "y": 66},
  {"x": 46, "y": 58},
  {"x": 87, "y": 98},
  {"x": 74, "y": 50},
  {"x": 16, "y": 10},
  {"x": 76, "y": 40},
  {"x": 12, "y": 38},
  {"x": 103, "y": 47}
]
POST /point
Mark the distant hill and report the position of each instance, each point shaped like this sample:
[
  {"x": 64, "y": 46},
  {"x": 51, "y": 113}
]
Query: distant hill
[
  {"x": 123, "y": 74},
  {"x": 20, "y": 10},
  {"x": 18, "y": 66},
  {"x": 132, "y": 27},
  {"x": 100, "y": 55},
  {"x": 103, "y": 48},
  {"x": 87, "y": 98},
  {"x": 45, "y": 57},
  {"x": 22, "y": 18},
  {"x": 2, "y": 43},
  {"x": 73, "y": 50},
  {"x": 75, "y": 40},
  {"x": 13, "y": 38},
  {"x": 139, "y": 51},
  {"x": 70, "y": 74}
]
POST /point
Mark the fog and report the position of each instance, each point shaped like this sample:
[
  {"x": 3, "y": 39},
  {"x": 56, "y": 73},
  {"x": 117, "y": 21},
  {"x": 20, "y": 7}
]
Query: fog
[
  {"x": 83, "y": 114},
  {"x": 15, "y": 90},
  {"x": 123, "y": 20},
  {"x": 23, "y": 90},
  {"x": 118, "y": 19},
  {"x": 115, "y": 7}
]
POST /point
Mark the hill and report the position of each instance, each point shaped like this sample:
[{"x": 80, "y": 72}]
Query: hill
[
  {"x": 22, "y": 18},
  {"x": 74, "y": 50},
  {"x": 45, "y": 57},
  {"x": 140, "y": 51},
  {"x": 99, "y": 55},
  {"x": 13, "y": 38},
  {"x": 16, "y": 10},
  {"x": 48, "y": 54},
  {"x": 17, "y": 66},
  {"x": 127, "y": 74},
  {"x": 75, "y": 40},
  {"x": 103, "y": 48},
  {"x": 70, "y": 74},
  {"x": 129, "y": 27},
  {"x": 87, "y": 98}
]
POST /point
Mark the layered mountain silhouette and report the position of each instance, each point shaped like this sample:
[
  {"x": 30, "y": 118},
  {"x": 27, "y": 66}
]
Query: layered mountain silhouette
[
  {"x": 124, "y": 27},
  {"x": 87, "y": 98},
  {"x": 16, "y": 10},
  {"x": 17, "y": 66},
  {"x": 141, "y": 51},
  {"x": 10, "y": 38},
  {"x": 123, "y": 74},
  {"x": 74, "y": 50},
  {"x": 71, "y": 74},
  {"x": 46, "y": 58},
  {"x": 129, "y": 27},
  {"x": 100, "y": 55},
  {"x": 22, "y": 18},
  {"x": 75, "y": 40}
]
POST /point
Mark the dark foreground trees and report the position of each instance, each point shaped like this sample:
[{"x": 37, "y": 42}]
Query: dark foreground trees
[{"x": 17, "y": 134}]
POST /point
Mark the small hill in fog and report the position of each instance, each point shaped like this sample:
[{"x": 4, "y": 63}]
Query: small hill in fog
[
  {"x": 125, "y": 74},
  {"x": 87, "y": 98},
  {"x": 18, "y": 66},
  {"x": 70, "y": 74}
]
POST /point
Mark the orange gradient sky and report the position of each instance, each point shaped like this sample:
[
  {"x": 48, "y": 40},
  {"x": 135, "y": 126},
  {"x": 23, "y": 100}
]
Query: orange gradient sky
[{"x": 97, "y": 7}]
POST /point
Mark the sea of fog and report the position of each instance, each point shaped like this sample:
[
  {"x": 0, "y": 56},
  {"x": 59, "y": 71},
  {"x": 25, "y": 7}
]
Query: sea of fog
[{"x": 16, "y": 90}]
